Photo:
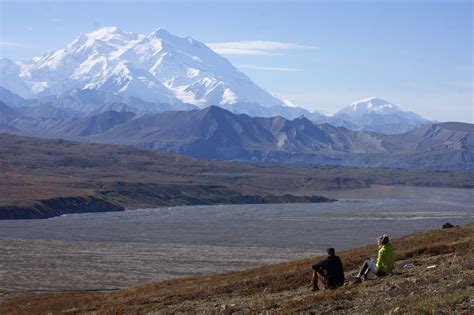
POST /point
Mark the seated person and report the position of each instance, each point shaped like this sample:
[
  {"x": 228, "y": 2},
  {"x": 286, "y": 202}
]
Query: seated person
[
  {"x": 329, "y": 271},
  {"x": 384, "y": 263}
]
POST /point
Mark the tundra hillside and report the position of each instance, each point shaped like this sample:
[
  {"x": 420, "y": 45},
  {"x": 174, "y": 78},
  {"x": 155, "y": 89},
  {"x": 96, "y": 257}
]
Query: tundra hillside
[{"x": 445, "y": 287}]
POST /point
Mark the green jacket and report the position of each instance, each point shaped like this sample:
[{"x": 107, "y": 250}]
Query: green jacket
[{"x": 385, "y": 258}]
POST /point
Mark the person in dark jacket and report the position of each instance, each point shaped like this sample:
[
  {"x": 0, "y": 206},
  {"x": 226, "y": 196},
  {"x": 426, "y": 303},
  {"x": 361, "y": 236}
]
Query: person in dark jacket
[{"x": 329, "y": 271}]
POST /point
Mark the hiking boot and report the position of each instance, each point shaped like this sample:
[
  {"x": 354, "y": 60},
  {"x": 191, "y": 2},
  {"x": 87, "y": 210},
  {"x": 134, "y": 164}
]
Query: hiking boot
[
  {"x": 356, "y": 280},
  {"x": 315, "y": 288}
]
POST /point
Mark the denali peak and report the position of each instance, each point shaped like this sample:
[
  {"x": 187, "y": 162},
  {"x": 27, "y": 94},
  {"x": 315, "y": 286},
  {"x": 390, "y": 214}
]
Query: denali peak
[{"x": 158, "y": 67}]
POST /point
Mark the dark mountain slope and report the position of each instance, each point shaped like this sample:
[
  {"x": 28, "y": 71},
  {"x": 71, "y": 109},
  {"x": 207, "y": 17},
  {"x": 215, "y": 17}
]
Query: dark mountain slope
[
  {"x": 46, "y": 110},
  {"x": 215, "y": 133},
  {"x": 13, "y": 99},
  {"x": 442, "y": 144},
  {"x": 7, "y": 114},
  {"x": 219, "y": 134},
  {"x": 96, "y": 124},
  {"x": 210, "y": 133}
]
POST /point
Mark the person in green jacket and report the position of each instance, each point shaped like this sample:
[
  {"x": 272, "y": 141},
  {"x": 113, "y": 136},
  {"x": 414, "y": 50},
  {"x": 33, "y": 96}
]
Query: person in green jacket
[{"x": 384, "y": 263}]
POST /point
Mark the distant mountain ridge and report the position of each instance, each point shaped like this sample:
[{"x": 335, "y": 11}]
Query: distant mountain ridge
[
  {"x": 86, "y": 101},
  {"x": 218, "y": 134}
]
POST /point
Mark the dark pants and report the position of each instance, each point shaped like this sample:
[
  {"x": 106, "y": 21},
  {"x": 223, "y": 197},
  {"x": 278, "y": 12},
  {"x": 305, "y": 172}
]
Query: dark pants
[{"x": 321, "y": 276}]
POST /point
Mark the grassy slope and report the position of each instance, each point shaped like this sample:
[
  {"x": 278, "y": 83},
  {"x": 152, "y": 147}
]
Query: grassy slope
[
  {"x": 282, "y": 288},
  {"x": 36, "y": 169}
]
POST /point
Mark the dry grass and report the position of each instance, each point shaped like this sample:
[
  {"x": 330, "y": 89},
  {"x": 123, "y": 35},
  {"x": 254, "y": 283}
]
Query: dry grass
[{"x": 282, "y": 288}]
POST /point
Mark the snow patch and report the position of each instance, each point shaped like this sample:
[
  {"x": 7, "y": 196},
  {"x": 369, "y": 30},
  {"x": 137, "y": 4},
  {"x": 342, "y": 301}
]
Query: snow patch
[
  {"x": 372, "y": 104},
  {"x": 228, "y": 97},
  {"x": 288, "y": 102},
  {"x": 38, "y": 87},
  {"x": 192, "y": 73},
  {"x": 282, "y": 138}
]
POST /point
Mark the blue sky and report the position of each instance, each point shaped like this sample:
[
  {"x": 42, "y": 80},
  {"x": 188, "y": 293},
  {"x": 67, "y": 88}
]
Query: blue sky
[{"x": 318, "y": 54}]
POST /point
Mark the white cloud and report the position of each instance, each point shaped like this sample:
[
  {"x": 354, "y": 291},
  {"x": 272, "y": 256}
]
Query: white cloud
[
  {"x": 256, "y": 47},
  {"x": 55, "y": 20},
  {"x": 6, "y": 45},
  {"x": 9, "y": 44},
  {"x": 254, "y": 67}
]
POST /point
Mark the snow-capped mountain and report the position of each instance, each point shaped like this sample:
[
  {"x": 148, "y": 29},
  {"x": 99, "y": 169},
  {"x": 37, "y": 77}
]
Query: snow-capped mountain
[
  {"x": 10, "y": 78},
  {"x": 376, "y": 114},
  {"x": 370, "y": 105},
  {"x": 158, "y": 67}
]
